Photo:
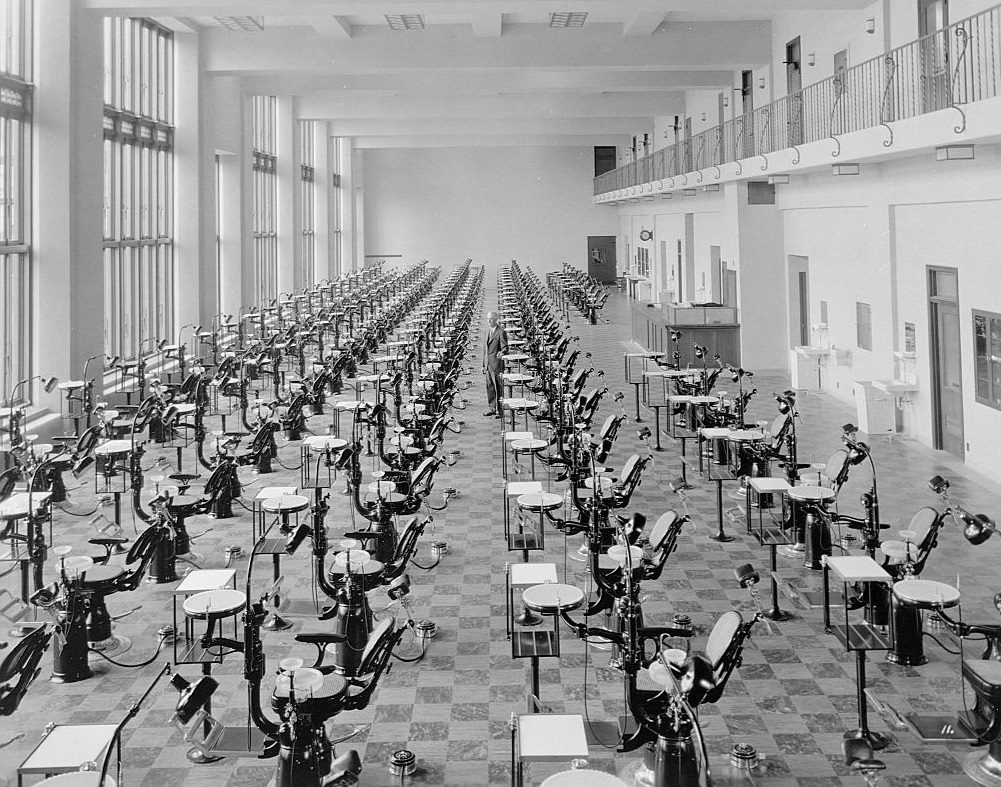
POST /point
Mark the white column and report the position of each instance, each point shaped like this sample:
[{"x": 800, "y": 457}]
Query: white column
[{"x": 67, "y": 193}]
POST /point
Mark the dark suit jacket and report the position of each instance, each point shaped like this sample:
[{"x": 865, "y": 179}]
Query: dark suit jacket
[{"x": 494, "y": 347}]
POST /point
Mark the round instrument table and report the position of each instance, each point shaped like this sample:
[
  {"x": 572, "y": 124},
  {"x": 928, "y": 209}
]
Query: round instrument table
[
  {"x": 286, "y": 504},
  {"x": 370, "y": 574},
  {"x": 604, "y": 483},
  {"x": 550, "y": 597},
  {"x": 305, "y": 681},
  {"x": 910, "y": 596},
  {"x": 538, "y": 502},
  {"x": 925, "y": 593},
  {"x": 583, "y": 777},
  {"x": 811, "y": 494},
  {"x": 214, "y": 604},
  {"x": 530, "y": 444},
  {"x": 319, "y": 442}
]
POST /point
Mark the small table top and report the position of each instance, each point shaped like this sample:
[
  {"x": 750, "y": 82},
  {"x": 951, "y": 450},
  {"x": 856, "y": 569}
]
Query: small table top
[
  {"x": 857, "y": 568},
  {"x": 528, "y": 574},
  {"x": 202, "y": 579},
  {"x": 529, "y": 445},
  {"x": 518, "y": 435},
  {"x": 520, "y": 404},
  {"x": 68, "y": 747},
  {"x": 713, "y": 432},
  {"x": 16, "y": 506},
  {"x": 519, "y": 488},
  {"x": 275, "y": 491},
  {"x": 551, "y": 737},
  {"x": 768, "y": 484}
]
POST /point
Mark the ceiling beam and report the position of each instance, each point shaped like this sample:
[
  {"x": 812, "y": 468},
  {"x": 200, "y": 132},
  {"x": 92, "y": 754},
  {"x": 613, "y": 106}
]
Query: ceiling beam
[
  {"x": 643, "y": 23},
  {"x": 332, "y": 27},
  {"x": 488, "y": 24}
]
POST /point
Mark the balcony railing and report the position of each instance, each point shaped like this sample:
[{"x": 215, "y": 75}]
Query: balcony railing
[{"x": 957, "y": 65}]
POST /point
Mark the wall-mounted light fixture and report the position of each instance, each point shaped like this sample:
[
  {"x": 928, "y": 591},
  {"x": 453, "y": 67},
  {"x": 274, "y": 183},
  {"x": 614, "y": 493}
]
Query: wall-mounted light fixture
[
  {"x": 954, "y": 153},
  {"x": 870, "y": 25},
  {"x": 811, "y": 59},
  {"x": 761, "y": 82},
  {"x": 726, "y": 100},
  {"x": 844, "y": 169},
  {"x": 703, "y": 117}
]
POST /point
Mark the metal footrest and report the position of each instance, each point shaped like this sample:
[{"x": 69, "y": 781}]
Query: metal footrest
[
  {"x": 534, "y": 644},
  {"x": 529, "y": 540}
]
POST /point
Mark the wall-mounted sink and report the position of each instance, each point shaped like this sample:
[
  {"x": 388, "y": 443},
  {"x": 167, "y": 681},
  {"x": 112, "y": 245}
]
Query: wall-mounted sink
[
  {"x": 810, "y": 352},
  {"x": 895, "y": 387}
]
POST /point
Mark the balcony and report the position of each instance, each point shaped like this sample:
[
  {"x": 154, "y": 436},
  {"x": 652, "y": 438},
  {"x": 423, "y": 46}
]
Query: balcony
[{"x": 951, "y": 68}]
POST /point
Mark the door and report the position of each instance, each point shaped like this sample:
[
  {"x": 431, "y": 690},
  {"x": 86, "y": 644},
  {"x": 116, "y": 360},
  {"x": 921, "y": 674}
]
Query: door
[
  {"x": 729, "y": 286},
  {"x": 746, "y": 130},
  {"x": 946, "y": 363},
  {"x": 794, "y": 86},
  {"x": 716, "y": 285},
  {"x": 933, "y": 18},
  {"x": 799, "y": 300},
  {"x": 601, "y": 257}
]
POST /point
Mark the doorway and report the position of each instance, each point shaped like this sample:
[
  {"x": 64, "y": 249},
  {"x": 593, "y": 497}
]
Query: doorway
[
  {"x": 689, "y": 165},
  {"x": 745, "y": 137},
  {"x": 716, "y": 282},
  {"x": 794, "y": 86},
  {"x": 933, "y": 18},
  {"x": 946, "y": 362},
  {"x": 601, "y": 257},
  {"x": 799, "y": 300}
]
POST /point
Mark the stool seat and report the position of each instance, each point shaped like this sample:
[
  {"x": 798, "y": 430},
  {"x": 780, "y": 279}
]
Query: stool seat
[
  {"x": 895, "y": 551},
  {"x": 529, "y": 445},
  {"x": 370, "y": 574},
  {"x": 101, "y": 575},
  {"x": 583, "y": 777},
  {"x": 214, "y": 604},
  {"x": 984, "y": 676}
]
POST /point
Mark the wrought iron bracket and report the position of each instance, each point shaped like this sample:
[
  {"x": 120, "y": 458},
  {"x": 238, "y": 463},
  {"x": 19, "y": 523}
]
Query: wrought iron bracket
[
  {"x": 887, "y": 143},
  {"x": 765, "y": 165},
  {"x": 795, "y": 155},
  {"x": 837, "y": 149}
]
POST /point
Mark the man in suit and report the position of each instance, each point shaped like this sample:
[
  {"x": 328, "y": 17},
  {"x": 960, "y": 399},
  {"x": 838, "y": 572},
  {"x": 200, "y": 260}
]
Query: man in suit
[{"x": 494, "y": 347}]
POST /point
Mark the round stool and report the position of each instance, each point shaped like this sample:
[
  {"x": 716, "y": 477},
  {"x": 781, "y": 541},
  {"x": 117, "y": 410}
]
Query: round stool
[{"x": 910, "y": 596}]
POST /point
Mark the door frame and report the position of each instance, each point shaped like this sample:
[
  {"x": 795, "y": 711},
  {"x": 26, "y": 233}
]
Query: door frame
[{"x": 938, "y": 439}]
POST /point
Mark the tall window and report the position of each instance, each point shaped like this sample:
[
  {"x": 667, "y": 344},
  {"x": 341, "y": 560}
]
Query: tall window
[
  {"x": 265, "y": 198},
  {"x": 335, "y": 205},
  {"x": 15, "y": 195},
  {"x": 307, "y": 248},
  {"x": 138, "y": 185},
  {"x": 987, "y": 360}
]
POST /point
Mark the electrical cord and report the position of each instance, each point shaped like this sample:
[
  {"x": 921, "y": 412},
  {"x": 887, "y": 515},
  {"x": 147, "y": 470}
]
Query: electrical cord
[{"x": 159, "y": 647}]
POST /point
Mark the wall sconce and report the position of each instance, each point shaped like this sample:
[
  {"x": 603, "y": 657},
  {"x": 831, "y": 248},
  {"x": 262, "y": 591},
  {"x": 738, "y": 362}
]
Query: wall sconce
[
  {"x": 954, "y": 153},
  {"x": 870, "y": 25},
  {"x": 761, "y": 82},
  {"x": 811, "y": 59},
  {"x": 726, "y": 100},
  {"x": 703, "y": 117}
]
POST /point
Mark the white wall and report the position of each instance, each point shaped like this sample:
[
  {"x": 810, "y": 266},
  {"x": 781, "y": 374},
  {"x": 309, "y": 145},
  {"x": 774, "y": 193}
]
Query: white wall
[
  {"x": 869, "y": 238},
  {"x": 489, "y": 204}
]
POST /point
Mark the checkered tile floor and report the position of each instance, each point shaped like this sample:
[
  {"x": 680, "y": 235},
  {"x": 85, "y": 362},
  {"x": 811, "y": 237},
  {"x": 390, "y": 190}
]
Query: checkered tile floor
[{"x": 792, "y": 699}]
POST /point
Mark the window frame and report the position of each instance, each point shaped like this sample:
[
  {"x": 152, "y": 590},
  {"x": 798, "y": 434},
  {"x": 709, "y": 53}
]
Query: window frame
[{"x": 992, "y": 358}]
